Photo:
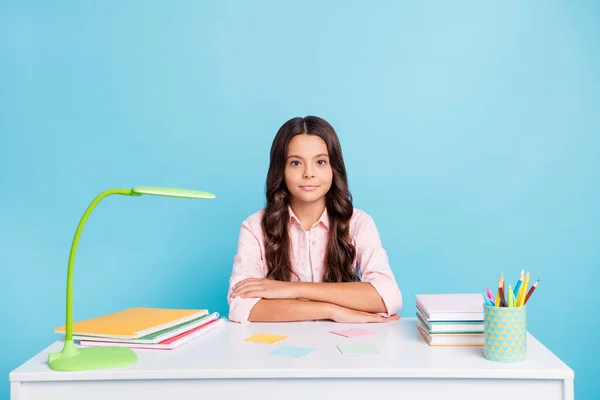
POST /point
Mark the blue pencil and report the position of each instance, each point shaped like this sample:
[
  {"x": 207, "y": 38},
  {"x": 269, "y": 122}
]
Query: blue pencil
[
  {"x": 519, "y": 282},
  {"x": 487, "y": 301}
]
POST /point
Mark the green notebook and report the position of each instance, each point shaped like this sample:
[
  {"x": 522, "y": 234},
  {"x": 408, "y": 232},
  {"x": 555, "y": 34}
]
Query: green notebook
[{"x": 447, "y": 327}]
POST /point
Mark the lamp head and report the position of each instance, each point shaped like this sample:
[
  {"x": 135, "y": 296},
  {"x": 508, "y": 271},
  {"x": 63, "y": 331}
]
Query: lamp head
[{"x": 171, "y": 192}]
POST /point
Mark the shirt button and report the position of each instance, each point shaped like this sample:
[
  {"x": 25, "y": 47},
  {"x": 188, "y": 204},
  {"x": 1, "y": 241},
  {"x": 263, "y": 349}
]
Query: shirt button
[{"x": 313, "y": 242}]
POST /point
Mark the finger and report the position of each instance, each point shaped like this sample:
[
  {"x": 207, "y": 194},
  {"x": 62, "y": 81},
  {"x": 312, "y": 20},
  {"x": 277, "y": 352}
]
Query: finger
[
  {"x": 382, "y": 318},
  {"x": 244, "y": 281},
  {"x": 245, "y": 286},
  {"x": 247, "y": 282},
  {"x": 252, "y": 293},
  {"x": 248, "y": 288},
  {"x": 378, "y": 318}
]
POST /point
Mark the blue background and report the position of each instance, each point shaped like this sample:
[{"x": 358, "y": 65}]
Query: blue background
[{"x": 470, "y": 132}]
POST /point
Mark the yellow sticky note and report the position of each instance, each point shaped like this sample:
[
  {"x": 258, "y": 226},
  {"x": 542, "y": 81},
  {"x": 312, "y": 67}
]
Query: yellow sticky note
[{"x": 265, "y": 338}]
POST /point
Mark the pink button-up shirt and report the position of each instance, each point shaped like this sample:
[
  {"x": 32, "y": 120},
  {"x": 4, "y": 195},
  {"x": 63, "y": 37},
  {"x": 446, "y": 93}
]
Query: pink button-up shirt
[{"x": 371, "y": 261}]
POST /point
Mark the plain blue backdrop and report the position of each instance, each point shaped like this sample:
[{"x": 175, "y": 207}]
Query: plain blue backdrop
[{"x": 470, "y": 131}]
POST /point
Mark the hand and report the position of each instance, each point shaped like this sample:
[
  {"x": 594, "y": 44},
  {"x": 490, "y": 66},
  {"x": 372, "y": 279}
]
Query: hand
[
  {"x": 347, "y": 315},
  {"x": 264, "y": 288}
]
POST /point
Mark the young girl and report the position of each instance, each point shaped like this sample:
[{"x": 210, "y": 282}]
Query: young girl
[{"x": 310, "y": 255}]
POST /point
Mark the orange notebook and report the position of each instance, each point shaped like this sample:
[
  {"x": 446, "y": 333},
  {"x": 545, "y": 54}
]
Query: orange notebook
[{"x": 132, "y": 323}]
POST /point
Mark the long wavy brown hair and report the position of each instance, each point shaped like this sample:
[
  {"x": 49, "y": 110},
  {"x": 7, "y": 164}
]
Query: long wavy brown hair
[{"x": 341, "y": 253}]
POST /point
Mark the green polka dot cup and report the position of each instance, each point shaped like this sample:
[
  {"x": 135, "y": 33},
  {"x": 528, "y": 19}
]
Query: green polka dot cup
[{"x": 505, "y": 333}]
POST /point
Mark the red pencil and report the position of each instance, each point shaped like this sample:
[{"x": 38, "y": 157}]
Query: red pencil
[
  {"x": 502, "y": 299},
  {"x": 531, "y": 291}
]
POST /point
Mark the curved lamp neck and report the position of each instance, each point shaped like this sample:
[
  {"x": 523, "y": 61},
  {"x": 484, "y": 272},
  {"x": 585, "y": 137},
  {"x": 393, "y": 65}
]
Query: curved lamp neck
[{"x": 88, "y": 211}]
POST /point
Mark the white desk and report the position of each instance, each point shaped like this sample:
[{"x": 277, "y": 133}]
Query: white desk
[{"x": 222, "y": 364}]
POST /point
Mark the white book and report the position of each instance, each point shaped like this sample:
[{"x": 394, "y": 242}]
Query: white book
[
  {"x": 451, "y": 307},
  {"x": 451, "y": 339}
]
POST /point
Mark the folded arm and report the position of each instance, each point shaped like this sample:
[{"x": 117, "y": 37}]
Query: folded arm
[
  {"x": 277, "y": 310},
  {"x": 360, "y": 296}
]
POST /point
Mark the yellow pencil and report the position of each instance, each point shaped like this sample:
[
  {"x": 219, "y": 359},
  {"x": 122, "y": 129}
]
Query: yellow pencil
[
  {"x": 523, "y": 291},
  {"x": 497, "y": 304}
]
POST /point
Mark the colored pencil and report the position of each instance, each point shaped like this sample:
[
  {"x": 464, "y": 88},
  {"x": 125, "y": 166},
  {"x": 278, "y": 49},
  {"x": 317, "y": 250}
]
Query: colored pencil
[
  {"x": 502, "y": 299},
  {"x": 531, "y": 291},
  {"x": 519, "y": 283}
]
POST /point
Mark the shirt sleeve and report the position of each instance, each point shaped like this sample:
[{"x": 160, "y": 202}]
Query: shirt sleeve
[
  {"x": 374, "y": 265},
  {"x": 247, "y": 263}
]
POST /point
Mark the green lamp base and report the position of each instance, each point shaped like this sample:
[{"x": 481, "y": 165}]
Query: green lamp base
[{"x": 82, "y": 359}]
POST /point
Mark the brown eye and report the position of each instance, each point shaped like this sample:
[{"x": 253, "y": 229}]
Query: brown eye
[
  {"x": 322, "y": 162},
  {"x": 295, "y": 163}
]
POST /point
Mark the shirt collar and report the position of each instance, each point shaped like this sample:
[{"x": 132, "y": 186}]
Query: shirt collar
[{"x": 324, "y": 219}]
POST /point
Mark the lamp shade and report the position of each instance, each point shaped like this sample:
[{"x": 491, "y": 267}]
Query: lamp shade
[{"x": 171, "y": 192}]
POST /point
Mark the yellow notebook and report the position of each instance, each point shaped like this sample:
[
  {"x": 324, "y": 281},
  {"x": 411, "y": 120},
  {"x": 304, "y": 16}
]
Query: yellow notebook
[{"x": 133, "y": 323}]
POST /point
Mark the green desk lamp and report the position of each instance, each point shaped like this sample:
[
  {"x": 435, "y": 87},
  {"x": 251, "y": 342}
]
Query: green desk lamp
[{"x": 72, "y": 358}]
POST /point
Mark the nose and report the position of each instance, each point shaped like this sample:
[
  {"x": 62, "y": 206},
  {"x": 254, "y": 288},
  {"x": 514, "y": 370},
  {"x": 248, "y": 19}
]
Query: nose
[{"x": 308, "y": 173}]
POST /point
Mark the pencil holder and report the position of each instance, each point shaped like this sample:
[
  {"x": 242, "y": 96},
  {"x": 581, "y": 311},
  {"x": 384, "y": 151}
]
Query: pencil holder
[{"x": 505, "y": 333}]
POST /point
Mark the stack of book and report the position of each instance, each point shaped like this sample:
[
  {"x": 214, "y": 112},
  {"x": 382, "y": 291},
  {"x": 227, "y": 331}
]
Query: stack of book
[
  {"x": 144, "y": 328},
  {"x": 450, "y": 319}
]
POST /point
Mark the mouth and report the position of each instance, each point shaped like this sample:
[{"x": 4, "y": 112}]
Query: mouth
[{"x": 309, "y": 187}]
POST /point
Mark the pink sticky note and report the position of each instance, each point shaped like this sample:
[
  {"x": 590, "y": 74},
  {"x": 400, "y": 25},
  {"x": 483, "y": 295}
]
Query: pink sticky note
[{"x": 352, "y": 332}]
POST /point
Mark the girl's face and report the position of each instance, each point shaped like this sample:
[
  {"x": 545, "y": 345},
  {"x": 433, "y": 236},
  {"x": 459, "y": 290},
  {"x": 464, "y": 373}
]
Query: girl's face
[{"x": 308, "y": 174}]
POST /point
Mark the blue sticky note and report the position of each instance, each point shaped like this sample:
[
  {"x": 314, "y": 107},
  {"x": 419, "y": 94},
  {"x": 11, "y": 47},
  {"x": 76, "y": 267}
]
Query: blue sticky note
[{"x": 291, "y": 351}]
